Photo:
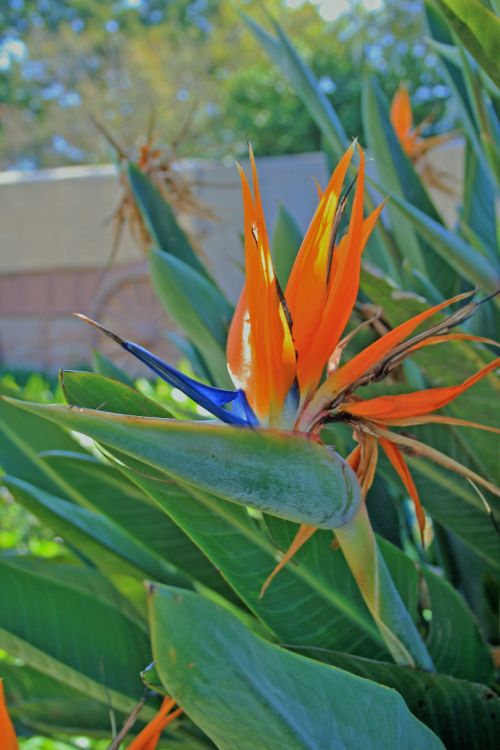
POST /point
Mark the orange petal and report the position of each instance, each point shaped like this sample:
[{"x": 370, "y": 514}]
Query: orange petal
[
  {"x": 401, "y": 114},
  {"x": 148, "y": 738},
  {"x": 304, "y": 533},
  {"x": 414, "y": 404},
  {"x": 396, "y": 458},
  {"x": 306, "y": 289},
  {"x": 238, "y": 351},
  {"x": 426, "y": 451},
  {"x": 342, "y": 290},
  {"x": 7, "y": 734},
  {"x": 261, "y": 353},
  {"x": 358, "y": 365}
]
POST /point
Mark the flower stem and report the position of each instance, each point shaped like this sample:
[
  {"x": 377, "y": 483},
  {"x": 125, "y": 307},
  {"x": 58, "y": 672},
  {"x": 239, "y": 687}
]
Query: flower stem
[{"x": 358, "y": 543}]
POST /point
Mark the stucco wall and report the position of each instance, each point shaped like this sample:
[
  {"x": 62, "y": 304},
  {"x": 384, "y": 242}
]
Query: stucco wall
[{"x": 56, "y": 242}]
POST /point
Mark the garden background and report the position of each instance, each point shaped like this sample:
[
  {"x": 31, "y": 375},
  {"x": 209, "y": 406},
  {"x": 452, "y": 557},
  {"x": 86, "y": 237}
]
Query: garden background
[{"x": 179, "y": 89}]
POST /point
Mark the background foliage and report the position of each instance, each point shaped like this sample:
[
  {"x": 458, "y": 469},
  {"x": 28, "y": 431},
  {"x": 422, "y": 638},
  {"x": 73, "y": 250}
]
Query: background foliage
[
  {"x": 126, "y": 63},
  {"x": 143, "y": 506}
]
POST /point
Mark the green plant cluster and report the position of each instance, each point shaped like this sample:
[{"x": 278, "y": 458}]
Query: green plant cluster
[{"x": 200, "y": 510}]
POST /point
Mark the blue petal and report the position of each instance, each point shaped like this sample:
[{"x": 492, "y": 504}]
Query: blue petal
[{"x": 212, "y": 399}]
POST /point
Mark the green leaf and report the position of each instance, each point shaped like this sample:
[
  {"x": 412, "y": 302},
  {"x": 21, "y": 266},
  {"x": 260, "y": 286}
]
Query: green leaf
[
  {"x": 301, "y": 78},
  {"x": 104, "y": 366},
  {"x": 464, "y": 715},
  {"x": 478, "y": 210},
  {"x": 479, "y": 30},
  {"x": 40, "y": 703},
  {"x": 108, "y": 492},
  {"x": 450, "y": 622},
  {"x": 338, "y": 618},
  {"x": 197, "y": 306},
  {"x": 161, "y": 222},
  {"x": 23, "y": 438},
  {"x": 79, "y": 389},
  {"x": 285, "y": 242},
  {"x": 80, "y": 577},
  {"x": 245, "y": 693},
  {"x": 84, "y": 643},
  {"x": 271, "y": 471},
  {"x": 336, "y": 614},
  {"x": 451, "y": 619},
  {"x": 461, "y": 256},
  {"x": 121, "y": 557}
]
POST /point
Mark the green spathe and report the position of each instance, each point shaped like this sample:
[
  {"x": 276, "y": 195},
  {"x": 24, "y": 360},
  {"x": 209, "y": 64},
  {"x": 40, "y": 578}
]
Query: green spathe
[{"x": 275, "y": 472}]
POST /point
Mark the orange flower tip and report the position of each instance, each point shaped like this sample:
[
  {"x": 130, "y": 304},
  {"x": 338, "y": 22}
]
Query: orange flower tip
[{"x": 304, "y": 533}]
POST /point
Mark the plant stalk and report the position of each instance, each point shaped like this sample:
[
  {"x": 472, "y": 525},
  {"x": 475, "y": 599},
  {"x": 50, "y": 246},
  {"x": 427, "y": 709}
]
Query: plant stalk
[{"x": 358, "y": 543}]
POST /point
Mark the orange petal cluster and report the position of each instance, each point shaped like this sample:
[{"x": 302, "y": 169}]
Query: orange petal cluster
[
  {"x": 149, "y": 737},
  {"x": 278, "y": 343}
]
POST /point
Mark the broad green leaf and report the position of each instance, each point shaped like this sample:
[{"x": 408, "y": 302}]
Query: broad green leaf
[
  {"x": 121, "y": 557},
  {"x": 317, "y": 603},
  {"x": 461, "y": 256},
  {"x": 23, "y": 438},
  {"x": 197, "y": 306},
  {"x": 160, "y": 221},
  {"x": 245, "y": 693},
  {"x": 108, "y": 492},
  {"x": 484, "y": 112},
  {"x": 285, "y": 242},
  {"x": 84, "y": 643},
  {"x": 104, "y": 366},
  {"x": 451, "y": 619},
  {"x": 337, "y": 616},
  {"x": 479, "y": 30},
  {"x": 77, "y": 477},
  {"x": 272, "y": 471},
  {"x": 479, "y": 582},
  {"x": 80, "y": 577},
  {"x": 42, "y": 704},
  {"x": 478, "y": 210},
  {"x": 464, "y": 715}
]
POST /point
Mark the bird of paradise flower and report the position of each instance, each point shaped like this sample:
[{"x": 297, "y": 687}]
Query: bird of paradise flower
[
  {"x": 280, "y": 343},
  {"x": 412, "y": 143}
]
